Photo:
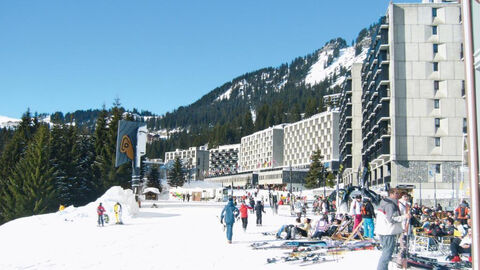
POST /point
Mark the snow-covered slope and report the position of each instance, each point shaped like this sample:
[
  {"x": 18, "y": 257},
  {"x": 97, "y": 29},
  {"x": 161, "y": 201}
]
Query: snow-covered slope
[
  {"x": 320, "y": 71},
  {"x": 8, "y": 122},
  {"x": 175, "y": 235}
]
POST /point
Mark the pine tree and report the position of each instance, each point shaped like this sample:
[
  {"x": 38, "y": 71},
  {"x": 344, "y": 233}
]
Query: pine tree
[
  {"x": 30, "y": 189},
  {"x": 248, "y": 126},
  {"x": 176, "y": 176},
  {"x": 315, "y": 174},
  {"x": 84, "y": 157},
  {"x": 153, "y": 177},
  {"x": 330, "y": 181}
]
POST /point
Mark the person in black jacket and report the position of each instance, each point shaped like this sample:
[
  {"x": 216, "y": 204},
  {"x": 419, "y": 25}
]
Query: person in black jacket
[
  {"x": 368, "y": 214},
  {"x": 258, "y": 211}
]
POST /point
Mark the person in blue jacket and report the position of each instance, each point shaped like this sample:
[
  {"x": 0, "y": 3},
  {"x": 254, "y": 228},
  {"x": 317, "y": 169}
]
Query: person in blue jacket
[{"x": 229, "y": 213}]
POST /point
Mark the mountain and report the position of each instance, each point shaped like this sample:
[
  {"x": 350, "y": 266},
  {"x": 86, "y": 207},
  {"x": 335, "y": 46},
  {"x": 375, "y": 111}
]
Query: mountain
[
  {"x": 7, "y": 122},
  {"x": 250, "y": 102}
]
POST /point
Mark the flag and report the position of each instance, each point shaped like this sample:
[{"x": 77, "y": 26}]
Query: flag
[{"x": 127, "y": 142}]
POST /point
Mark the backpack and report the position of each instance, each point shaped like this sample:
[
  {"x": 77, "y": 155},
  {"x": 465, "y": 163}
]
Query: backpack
[{"x": 363, "y": 210}]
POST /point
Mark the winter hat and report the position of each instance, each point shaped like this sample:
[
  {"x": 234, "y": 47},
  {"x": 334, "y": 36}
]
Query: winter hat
[{"x": 230, "y": 199}]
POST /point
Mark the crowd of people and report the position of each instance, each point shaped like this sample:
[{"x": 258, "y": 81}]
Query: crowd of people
[{"x": 391, "y": 222}]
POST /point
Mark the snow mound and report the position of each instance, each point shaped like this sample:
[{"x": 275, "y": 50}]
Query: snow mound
[{"x": 115, "y": 194}]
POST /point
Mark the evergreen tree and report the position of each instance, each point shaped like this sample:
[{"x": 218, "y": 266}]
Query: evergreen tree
[
  {"x": 315, "y": 174},
  {"x": 330, "y": 181},
  {"x": 247, "y": 126},
  {"x": 153, "y": 178},
  {"x": 176, "y": 176},
  {"x": 30, "y": 189},
  {"x": 311, "y": 108},
  {"x": 84, "y": 158}
]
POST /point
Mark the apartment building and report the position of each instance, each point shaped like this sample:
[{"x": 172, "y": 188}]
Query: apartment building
[
  {"x": 351, "y": 127},
  {"x": 413, "y": 106},
  {"x": 223, "y": 160},
  {"x": 262, "y": 149},
  {"x": 319, "y": 132},
  {"x": 194, "y": 160}
]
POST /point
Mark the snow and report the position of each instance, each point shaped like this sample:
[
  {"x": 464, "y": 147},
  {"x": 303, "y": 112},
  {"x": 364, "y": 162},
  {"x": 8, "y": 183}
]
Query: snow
[
  {"x": 8, "y": 122},
  {"x": 175, "y": 235},
  {"x": 225, "y": 95},
  {"x": 346, "y": 58}
]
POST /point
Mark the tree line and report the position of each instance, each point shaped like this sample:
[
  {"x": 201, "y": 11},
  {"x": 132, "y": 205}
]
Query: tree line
[{"x": 42, "y": 167}]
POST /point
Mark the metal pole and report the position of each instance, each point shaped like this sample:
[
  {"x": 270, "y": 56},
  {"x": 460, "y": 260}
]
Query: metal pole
[
  {"x": 420, "y": 182},
  {"x": 472, "y": 129},
  {"x": 435, "y": 188}
]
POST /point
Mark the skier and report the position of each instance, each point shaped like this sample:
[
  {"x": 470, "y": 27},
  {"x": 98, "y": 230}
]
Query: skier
[
  {"x": 230, "y": 212},
  {"x": 118, "y": 212},
  {"x": 100, "y": 212},
  {"x": 259, "y": 209},
  {"x": 244, "y": 215}
]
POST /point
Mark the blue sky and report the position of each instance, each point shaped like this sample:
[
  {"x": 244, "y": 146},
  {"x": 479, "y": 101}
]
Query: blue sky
[{"x": 155, "y": 55}]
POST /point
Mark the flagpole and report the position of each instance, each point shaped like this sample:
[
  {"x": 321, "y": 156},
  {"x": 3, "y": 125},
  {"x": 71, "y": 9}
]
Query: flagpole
[{"x": 471, "y": 129}]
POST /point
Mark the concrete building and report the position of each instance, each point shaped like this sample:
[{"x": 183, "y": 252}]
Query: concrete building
[
  {"x": 332, "y": 100},
  {"x": 293, "y": 179},
  {"x": 351, "y": 127},
  {"x": 413, "y": 102},
  {"x": 242, "y": 179},
  {"x": 262, "y": 149},
  {"x": 223, "y": 160},
  {"x": 303, "y": 138},
  {"x": 194, "y": 160}
]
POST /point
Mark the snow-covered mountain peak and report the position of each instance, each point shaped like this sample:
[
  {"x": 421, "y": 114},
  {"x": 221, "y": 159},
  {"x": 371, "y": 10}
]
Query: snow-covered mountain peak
[{"x": 8, "y": 122}]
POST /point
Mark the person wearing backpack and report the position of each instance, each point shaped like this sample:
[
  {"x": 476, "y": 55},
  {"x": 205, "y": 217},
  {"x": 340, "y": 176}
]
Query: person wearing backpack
[{"x": 368, "y": 214}]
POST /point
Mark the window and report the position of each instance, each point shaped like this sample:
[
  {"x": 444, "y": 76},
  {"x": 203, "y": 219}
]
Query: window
[
  {"x": 435, "y": 48},
  {"x": 435, "y": 66},
  {"x": 463, "y": 88},
  {"x": 461, "y": 50},
  {"x": 434, "y": 29},
  {"x": 437, "y": 124},
  {"x": 436, "y": 85},
  {"x": 437, "y": 141},
  {"x": 436, "y": 104},
  {"x": 434, "y": 12},
  {"x": 438, "y": 169},
  {"x": 465, "y": 125}
]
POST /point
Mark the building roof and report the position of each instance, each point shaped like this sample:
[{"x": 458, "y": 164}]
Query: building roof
[{"x": 151, "y": 189}]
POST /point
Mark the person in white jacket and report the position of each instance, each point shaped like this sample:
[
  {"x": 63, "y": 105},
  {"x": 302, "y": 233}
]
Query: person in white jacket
[
  {"x": 355, "y": 211},
  {"x": 389, "y": 225}
]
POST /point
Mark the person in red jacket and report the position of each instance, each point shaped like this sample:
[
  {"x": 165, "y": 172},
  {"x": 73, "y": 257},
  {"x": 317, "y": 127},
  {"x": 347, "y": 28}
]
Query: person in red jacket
[
  {"x": 100, "y": 211},
  {"x": 244, "y": 214}
]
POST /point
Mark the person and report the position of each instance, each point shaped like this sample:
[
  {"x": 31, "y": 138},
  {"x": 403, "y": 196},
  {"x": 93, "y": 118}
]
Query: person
[
  {"x": 462, "y": 212},
  {"x": 458, "y": 246},
  {"x": 439, "y": 208},
  {"x": 229, "y": 213},
  {"x": 389, "y": 226},
  {"x": 321, "y": 227},
  {"x": 288, "y": 229},
  {"x": 274, "y": 204},
  {"x": 100, "y": 212},
  {"x": 298, "y": 207},
  {"x": 303, "y": 229},
  {"x": 368, "y": 214},
  {"x": 244, "y": 215},
  {"x": 416, "y": 211},
  {"x": 188, "y": 197},
  {"x": 355, "y": 209},
  {"x": 117, "y": 208},
  {"x": 259, "y": 210},
  {"x": 252, "y": 204}
]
